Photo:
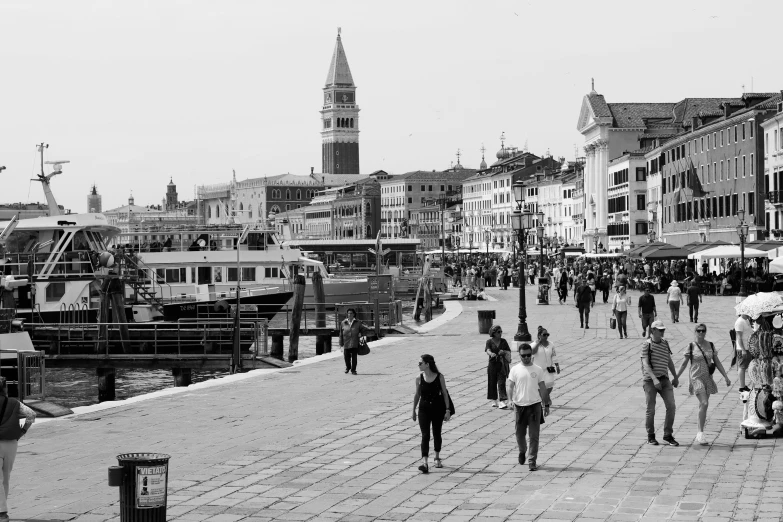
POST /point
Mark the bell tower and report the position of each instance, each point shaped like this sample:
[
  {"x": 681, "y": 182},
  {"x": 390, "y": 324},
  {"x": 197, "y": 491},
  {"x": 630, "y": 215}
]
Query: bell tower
[{"x": 339, "y": 117}]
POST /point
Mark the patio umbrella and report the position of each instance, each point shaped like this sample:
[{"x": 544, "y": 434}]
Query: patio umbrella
[
  {"x": 776, "y": 266},
  {"x": 760, "y": 303},
  {"x": 727, "y": 251},
  {"x": 667, "y": 253},
  {"x": 699, "y": 246},
  {"x": 647, "y": 248}
]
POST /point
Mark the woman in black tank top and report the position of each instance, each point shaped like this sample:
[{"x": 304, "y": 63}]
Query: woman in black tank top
[{"x": 432, "y": 399}]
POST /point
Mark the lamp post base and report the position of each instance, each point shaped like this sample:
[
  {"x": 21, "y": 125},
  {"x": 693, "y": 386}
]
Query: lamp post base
[{"x": 522, "y": 335}]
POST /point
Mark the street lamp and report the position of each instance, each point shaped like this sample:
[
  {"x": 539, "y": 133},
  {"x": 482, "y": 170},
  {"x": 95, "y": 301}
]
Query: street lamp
[
  {"x": 651, "y": 236},
  {"x": 742, "y": 230},
  {"x": 487, "y": 237},
  {"x": 595, "y": 240},
  {"x": 540, "y": 235},
  {"x": 521, "y": 222}
]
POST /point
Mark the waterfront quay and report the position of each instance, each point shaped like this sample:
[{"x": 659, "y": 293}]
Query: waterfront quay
[{"x": 312, "y": 443}]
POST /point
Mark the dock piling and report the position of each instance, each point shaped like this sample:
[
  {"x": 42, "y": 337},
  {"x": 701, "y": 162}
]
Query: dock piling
[
  {"x": 106, "y": 388},
  {"x": 277, "y": 346},
  {"x": 320, "y": 300},
  {"x": 182, "y": 376},
  {"x": 296, "y": 318}
]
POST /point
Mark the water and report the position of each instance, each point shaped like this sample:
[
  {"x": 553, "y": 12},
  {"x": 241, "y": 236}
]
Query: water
[{"x": 72, "y": 387}]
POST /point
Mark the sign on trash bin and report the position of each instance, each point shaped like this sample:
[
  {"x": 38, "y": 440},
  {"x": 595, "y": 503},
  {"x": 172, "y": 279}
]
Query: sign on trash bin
[{"x": 151, "y": 486}]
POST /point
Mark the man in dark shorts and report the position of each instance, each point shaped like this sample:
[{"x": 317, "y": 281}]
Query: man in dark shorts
[
  {"x": 647, "y": 311},
  {"x": 694, "y": 298}
]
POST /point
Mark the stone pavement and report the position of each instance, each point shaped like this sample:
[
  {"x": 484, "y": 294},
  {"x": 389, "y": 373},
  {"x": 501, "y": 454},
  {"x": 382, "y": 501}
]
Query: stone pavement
[{"x": 312, "y": 443}]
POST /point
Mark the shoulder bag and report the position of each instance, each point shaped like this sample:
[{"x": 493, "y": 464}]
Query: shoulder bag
[
  {"x": 363, "y": 348},
  {"x": 443, "y": 391}
]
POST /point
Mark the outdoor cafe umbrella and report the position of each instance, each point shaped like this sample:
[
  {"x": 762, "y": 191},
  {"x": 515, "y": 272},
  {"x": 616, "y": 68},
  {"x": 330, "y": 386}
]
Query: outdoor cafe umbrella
[
  {"x": 727, "y": 251},
  {"x": 760, "y": 303},
  {"x": 699, "y": 246},
  {"x": 646, "y": 248},
  {"x": 667, "y": 253}
]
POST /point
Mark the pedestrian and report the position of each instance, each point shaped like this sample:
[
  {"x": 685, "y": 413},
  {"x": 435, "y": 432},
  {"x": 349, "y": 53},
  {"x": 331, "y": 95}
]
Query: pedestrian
[
  {"x": 743, "y": 330},
  {"x": 11, "y": 412},
  {"x": 351, "y": 332},
  {"x": 544, "y": 356},
  {"x": 562, "y": 288},
  {"x": 620, "y": 310},
  {"x": 675, "y": 300},
  {"x": 432, "y": 398},
  {"x": 457, "y": 275},
  {"x": 647, "y": 311},
  {"x": 591, "y": 283},
  {"x": 656, "y": 365},
  {"x": 584, "y": 301},
  {"x": 694, "y": 298},
  {"x": 606, "y": 285},
  {"x": 527, "y": 390},
  {"x": 704, "y": 361},
  {"x": 499, "y": 359}
]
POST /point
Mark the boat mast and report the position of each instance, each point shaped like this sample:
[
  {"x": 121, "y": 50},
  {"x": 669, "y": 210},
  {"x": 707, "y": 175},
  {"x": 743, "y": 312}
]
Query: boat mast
[{"x": 54, "y": 208}]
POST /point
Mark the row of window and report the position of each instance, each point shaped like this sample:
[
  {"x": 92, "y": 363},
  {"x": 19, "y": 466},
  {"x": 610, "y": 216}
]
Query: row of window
[
  {"x": 711, "y": 141},
  {"x": 775, "y": 143},
  {"x": 278, "y": 194},
  {"x": 711, "y": 207},
  {"x": 708, "y": 174}
]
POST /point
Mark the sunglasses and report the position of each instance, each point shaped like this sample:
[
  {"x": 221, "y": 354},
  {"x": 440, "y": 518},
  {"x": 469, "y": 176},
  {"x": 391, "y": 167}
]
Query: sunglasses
[
  {"x": 545, "y": 335},
  {"x": 526, "y": 355},
  {"x": 701, "y": 331}
]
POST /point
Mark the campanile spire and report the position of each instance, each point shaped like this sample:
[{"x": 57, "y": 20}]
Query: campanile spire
[{"x": 339, "y": 117}]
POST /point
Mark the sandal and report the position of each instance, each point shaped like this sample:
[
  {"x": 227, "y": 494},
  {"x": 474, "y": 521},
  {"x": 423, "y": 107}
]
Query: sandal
[
  {"x": 424, "y": 469},
  {"x": 438, "y": 463}
]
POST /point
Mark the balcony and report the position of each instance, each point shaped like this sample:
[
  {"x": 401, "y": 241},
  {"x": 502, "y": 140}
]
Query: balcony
[{"x": 775, "y": 197}]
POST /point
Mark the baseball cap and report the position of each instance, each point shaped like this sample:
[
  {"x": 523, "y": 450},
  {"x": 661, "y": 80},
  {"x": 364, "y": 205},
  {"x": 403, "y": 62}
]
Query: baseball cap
[{"x": 658, "y": 325}]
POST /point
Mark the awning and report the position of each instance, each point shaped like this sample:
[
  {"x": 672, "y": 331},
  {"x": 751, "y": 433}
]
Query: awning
[
  {"x": 727, "y": 251},
  {"x": 667, "y": 253}
]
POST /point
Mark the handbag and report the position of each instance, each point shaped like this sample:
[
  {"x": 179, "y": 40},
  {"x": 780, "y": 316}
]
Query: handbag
[
  {"x": 711, "y": 365},
  {"x": 612, "y": 323},
  {"x": 452, "y": 411},
  {"x": 363, "y": 348}
]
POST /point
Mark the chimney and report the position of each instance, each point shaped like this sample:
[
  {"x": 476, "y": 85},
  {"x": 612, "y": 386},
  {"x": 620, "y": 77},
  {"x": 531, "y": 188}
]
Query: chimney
[
  {"x": 312, "y": 170},
  {"x": 726, "y": 110},
  {"x": 694, "y": 123}
]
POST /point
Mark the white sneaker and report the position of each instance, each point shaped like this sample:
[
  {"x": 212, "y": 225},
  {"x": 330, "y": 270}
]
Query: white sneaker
[
  {"x": 494, "y": 404},
  {"x": 701, "y": 440},
  {"x": 503, "y": 406}
]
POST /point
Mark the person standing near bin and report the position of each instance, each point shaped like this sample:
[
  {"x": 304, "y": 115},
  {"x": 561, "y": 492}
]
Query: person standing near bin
[
  {"x": 499, "y": 354},
  {"x": 11, "y": 411},
  {"x": 351, "y": 331},
  {"x": 527, "y": 390}
]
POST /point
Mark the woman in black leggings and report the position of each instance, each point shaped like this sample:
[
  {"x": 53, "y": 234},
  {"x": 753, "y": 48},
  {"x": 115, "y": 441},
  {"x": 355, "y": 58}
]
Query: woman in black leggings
[{"x": 432, "y": 397}]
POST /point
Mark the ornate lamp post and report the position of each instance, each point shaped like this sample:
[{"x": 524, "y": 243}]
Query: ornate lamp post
[
  {"x": 742, "y": 230},
  {"x": 521, "y": 222},
  {"x": 595, "y": 240},
  {"x": 651, "y": 236},
  {"x": 487, "y": 237},
  {"x": 540, "y": 235}
]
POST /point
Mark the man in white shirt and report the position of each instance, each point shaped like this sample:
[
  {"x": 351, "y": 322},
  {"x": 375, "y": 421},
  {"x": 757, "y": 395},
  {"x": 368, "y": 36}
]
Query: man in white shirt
[{"x": 526, "y": 391}]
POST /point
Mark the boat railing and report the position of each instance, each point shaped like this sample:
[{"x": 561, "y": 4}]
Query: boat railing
[
  {"x": 71, "y": 264},
  {"x": 74, "y": 313},
  {"x": 177, "y": 297}
]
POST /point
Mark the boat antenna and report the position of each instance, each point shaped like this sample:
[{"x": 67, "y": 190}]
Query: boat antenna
[{"x": 44, "y": 179}]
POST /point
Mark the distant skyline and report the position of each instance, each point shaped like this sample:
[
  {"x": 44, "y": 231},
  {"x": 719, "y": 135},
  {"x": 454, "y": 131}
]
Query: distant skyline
[{"x": 133, "y": 94}]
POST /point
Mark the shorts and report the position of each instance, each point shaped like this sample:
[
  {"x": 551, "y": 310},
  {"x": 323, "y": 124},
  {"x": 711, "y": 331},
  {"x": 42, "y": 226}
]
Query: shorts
[{"x": 744, "y": 361}]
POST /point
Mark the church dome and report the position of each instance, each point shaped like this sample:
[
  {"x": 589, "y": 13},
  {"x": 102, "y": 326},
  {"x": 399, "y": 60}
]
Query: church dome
[
  {"x": 483, "y": 164},
  {"x": 503, "y": 153}
]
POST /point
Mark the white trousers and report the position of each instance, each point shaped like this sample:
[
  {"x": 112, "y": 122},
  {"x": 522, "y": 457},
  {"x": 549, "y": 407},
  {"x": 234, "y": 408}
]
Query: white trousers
[{"x": 7, "y": 457}]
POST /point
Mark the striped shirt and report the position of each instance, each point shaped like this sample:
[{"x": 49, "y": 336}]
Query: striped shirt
[{"x": 658, "y": 355}]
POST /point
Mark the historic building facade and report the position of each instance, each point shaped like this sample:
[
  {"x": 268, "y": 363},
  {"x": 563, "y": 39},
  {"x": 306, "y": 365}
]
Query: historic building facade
[
  {"x": 773, "y": 171},
  {"x": 339, "y": 117}
]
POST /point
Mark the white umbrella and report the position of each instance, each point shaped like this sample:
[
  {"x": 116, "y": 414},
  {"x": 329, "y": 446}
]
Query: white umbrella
[
  {"x": 760, "y": 303},
  {"x": 727, "y": 251}
]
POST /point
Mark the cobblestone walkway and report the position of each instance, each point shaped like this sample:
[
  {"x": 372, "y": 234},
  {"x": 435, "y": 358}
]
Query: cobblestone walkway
[{"x": 312, "y": 443}]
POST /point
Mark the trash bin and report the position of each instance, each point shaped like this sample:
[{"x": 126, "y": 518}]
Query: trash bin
[
  {"x": 143, "y": 481},
  {"x": 485, "y": 318}
]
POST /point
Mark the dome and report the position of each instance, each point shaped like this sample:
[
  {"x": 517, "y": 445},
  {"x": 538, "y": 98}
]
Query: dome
[
  {"x": 483, "y": 164},
  {"x": 503, "y": 153}
]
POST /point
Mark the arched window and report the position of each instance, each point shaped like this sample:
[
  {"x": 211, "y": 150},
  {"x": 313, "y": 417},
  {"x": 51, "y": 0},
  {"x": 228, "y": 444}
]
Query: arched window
[
  {"x": 209, "y": 211},
  {"x": 288, "y": 194},
  {"x": 298, "y": 194},
  {"x": 352, "y": 123},
  {"x": 241, "y": 207},
  {"x": 250, "y": 212},
  {"x": 369, "y": 231}
]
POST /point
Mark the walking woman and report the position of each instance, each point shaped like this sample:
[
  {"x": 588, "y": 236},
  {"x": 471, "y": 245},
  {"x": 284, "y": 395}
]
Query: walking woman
[
  {"x": 11, "y": 411},
  {"x": 704, "y": 360},
  {"x": 545, "y": 357},
  {"x": 675, "y": 300},
  {"x": 499, "y": 354},
  {"x": 351, "y": 330},
  {"x": 562, "y": 288},
  {"x": 432, "y": 398},
  {"x": 620, "y": 310}
]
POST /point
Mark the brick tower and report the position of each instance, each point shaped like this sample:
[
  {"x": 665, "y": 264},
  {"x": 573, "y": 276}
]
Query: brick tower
[{"x": 339, "y": 117}]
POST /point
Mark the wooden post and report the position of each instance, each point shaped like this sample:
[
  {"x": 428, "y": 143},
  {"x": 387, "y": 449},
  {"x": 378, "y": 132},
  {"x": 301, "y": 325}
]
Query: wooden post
[
  {"x": 116, "y": 293},
  {"x": 416, "y": 309},
  {"x": 182, "y": 376},
  {"x": 277, "y": 346},
  {"x": 106, "y": 389},
  {"x": 320, "y": 300},
  {"x": 427, "y": 302},
  {"x": 296, "y": 318},
  {"x": 327, "y": 343}
]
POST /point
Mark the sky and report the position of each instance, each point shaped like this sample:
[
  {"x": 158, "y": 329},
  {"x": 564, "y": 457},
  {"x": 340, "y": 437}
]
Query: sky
[{"x": 136, "y": 93}]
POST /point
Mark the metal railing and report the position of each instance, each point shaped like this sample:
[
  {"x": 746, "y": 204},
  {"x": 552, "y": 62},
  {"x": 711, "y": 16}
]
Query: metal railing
[
  {"x": 30, "y": 378},
  {"x": 74, "y": 313}
]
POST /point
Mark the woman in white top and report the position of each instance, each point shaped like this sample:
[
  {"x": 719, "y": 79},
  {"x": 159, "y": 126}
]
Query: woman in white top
[
  {"x": 675, "y": 300},
  {"x": 620, "y": 310},
  {"x": 545, "y": 357}
]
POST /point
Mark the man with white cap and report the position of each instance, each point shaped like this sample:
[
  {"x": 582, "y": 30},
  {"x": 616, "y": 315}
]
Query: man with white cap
[{"x": 656, "y": 365}]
